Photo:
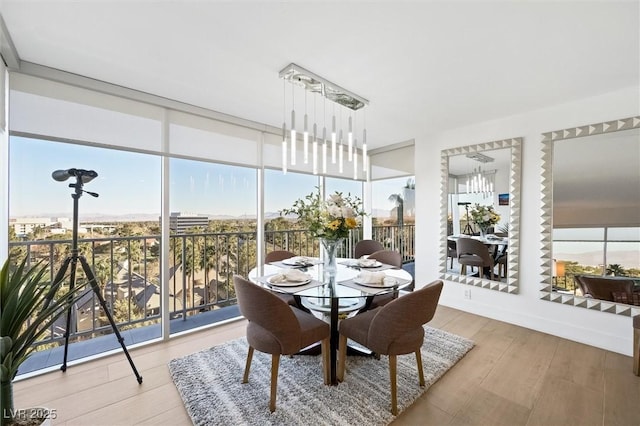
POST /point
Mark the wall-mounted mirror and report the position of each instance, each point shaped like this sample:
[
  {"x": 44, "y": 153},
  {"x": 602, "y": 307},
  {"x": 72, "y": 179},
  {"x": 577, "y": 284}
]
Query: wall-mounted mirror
[
  {"x": 591, "y": 216},
  {"x": 480, "y": 201}
]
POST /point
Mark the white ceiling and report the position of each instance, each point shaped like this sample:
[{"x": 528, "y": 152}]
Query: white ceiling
[{"x": 424, "y": 66}]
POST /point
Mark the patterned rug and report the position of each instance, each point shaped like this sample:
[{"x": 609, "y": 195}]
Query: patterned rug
[{"x": 209, "y": 382}]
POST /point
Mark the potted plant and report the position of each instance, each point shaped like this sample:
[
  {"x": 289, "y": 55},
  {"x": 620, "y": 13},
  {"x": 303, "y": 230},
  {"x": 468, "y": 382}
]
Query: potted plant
[{"x": 24, "y": 291}]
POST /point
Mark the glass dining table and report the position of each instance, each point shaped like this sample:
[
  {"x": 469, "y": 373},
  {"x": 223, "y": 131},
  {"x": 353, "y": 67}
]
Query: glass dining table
[{"x": 331, "y": 295}]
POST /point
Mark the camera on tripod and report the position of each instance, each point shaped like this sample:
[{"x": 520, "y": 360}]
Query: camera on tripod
[
  {"x": 84, "y": 175},
  {"x": 71, "y": 263}
]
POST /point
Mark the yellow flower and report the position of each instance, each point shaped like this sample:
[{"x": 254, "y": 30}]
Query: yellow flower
[
  {"x": 334, "y": 225},
  {"x": 351, "y": 222}
]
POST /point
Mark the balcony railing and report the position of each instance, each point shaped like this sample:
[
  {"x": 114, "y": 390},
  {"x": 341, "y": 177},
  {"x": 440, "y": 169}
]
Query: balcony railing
[{"x": 201, "y": 269}]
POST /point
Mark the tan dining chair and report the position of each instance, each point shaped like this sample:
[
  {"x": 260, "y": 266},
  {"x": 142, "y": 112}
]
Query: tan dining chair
[
  {"x": 278, "y": 329},
  {"x": 452, "y": 251},
  {"x": 472, "y": 252},
  {"x": 392, "y": 330},
  {"x": 602, "y": 287},
  {"x": 388, "y": 257},
  {"x": 365, "y": 247},
  {"x": 278, "y": 255}
]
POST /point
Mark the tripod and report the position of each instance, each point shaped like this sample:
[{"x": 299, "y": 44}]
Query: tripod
[
  {"x": 467, "y": 229},
  {"x": 82, "y": 177}
]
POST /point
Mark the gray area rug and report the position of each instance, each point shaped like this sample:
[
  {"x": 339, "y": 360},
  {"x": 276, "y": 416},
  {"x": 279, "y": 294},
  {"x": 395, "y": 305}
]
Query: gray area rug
[{"x": 209, "y": 382}]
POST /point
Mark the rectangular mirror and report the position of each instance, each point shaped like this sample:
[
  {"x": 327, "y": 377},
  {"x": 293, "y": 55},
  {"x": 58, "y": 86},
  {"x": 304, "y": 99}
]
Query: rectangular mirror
[
  {"x": 480, "y": 201},
  {"x": 591, "y": 216}
]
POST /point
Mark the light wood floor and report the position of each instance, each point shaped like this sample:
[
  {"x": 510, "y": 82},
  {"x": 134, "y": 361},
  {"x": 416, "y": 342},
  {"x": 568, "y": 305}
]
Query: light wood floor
[{"x": 514, "y": 376}]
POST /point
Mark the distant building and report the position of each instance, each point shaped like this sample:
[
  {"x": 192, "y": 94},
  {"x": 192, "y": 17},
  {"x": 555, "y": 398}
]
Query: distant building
[
  {"x": 25, "y": 225},
  {"x": 180, "y": 222}
]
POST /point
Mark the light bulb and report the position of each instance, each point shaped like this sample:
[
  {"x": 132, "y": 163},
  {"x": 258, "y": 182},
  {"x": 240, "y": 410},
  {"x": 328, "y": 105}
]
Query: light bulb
[
  {"x": 350, "y": 141},
  {"x": 305, "y": 143},
  {"x": 333, "y": 141},
  {"x": 293, "y": 138}
]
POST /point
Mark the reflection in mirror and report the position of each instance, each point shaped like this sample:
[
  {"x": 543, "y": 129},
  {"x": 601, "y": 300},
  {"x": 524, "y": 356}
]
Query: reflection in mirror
[
  {"x": 480, "y": 207},
  {"x": 591, "y": 216}
]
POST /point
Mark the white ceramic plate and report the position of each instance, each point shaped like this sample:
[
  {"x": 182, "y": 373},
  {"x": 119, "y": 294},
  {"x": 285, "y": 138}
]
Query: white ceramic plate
[
  {"x": 288, "y": 283},
  {"x": 375, "y": 265},
  {"x": 297, "y": 261},
  {"x": 388, "y": 282}
]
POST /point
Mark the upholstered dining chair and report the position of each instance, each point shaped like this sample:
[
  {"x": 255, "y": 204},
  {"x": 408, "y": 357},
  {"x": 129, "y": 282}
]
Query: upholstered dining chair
[
  {"x": 472, "y": 252},
  {"x": 452, "y": 251},
  {"x": 394, "y": 259},
  {"x": 394, "y": 329},
  {"x": 604, "y": 288},
  {"x": 364, "y": 247},
  {"x": 278, "y": 329},
  {"x": 278, "y": 255}
]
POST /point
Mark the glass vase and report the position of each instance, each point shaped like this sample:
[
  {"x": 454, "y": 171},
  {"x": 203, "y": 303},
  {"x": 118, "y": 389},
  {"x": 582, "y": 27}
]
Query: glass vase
[{"x": 330, "y": 248}]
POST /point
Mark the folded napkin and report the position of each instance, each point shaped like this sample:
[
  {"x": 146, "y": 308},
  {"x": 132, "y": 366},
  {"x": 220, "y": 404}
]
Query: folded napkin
[
  {"x": 366, "y": 277},
  {"x": 300, "y": 260},
  {"x": 289, "y": 276},
  {"x": 367, "y": 263}
]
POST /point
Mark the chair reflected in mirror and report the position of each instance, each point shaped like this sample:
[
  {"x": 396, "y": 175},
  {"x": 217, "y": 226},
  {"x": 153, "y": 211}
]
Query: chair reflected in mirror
[
  {"x": 452, "y": 251},
  {"x": 472, "y": 252}
]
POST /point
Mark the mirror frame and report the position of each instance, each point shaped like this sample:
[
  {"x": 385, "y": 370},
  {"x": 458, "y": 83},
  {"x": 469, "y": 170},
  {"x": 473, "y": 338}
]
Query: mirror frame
[
  {"x": 513, "y": 250},
  {"x": 546, "y": 214}
]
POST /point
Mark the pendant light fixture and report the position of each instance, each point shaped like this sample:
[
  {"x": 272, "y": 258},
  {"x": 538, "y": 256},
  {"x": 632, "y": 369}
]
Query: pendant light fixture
[{"x": 309, "y": 81}]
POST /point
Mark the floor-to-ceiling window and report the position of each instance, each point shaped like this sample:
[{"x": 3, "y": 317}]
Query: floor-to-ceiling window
[
  {"x": 393, "y": 211},
  {"x": 117, "y": 234},
  {"x": 213, "y": 234},
  {"x": 280, "y": 192}
]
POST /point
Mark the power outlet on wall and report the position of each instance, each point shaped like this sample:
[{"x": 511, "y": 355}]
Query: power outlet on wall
[{"x": 467, "y": 294}]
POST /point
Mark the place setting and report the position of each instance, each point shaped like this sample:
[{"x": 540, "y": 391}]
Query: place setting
[
  {"x": 366, "y": 263},
  {"x": 372, "y": 282},
  {"x": 299, "y": 262},
  {"x": 292, "y": 278}
]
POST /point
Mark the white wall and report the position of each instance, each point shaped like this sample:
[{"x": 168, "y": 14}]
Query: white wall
[{"x": 604, "y": 330}]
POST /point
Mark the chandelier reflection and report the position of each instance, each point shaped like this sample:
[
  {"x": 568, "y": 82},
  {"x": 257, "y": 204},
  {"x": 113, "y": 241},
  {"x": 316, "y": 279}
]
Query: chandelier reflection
[{"x": 480, "y": 181}]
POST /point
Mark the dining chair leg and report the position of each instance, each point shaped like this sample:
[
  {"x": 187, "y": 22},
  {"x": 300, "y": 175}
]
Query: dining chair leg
[
  {"x": 342, "y": 357},
  {"x": 420, "y": 370},
  {"x": 463, "y": 269},
  {"x": 326, "y": 360},
  {"x": 247, "y": 366},
  {"x": 393, "y": 362},
  {"x": 275, "y": 363}
]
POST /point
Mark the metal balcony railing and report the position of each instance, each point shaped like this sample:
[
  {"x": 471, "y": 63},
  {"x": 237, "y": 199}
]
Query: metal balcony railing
[{"x": 201, "y": 269}]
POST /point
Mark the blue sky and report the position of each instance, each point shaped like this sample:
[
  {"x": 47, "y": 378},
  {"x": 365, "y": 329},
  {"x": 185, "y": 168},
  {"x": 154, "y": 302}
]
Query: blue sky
[{"x": 129, "y": 183}]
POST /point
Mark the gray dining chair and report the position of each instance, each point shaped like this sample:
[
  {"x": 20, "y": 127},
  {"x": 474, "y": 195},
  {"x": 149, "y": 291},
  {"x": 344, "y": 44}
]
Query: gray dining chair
[
  {"x": 364, "y": 247},
  {"x": 394, "y": 259},
  {"x": 472, "y": 252},
  {"x": 278, "y": 329},
  {"x": 394, "y": 329},
  {"x": 277, "y": 256}
]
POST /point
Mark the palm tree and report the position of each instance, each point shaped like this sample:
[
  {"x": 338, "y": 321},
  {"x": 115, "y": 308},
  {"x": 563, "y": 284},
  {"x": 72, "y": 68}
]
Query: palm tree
[
  {"x": 399, "y": 203},
  {"x": 617, "y": 270}
]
